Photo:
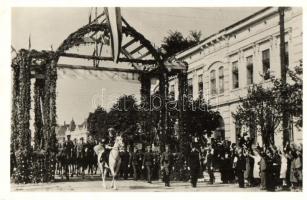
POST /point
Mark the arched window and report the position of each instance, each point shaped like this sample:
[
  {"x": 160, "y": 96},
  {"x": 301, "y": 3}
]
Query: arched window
[
  {"x": 213, "y": 82},
  {"x": 221, "y": 79}
]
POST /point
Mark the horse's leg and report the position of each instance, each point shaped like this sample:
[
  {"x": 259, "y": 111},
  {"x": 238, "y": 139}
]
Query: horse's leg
[
  {"x": 103, "y": 174},
  {"x": 113, "y": 177},
  {"x": 117, "y": 167},
  {"x": 113, "y": 168}
]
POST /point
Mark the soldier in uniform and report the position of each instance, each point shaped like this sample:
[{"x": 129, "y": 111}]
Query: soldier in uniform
[
  {"x": 60, "y": 156},
  {"x": 81, "y": 156},
  {"x": 107, "y": 143},
  {"x": 68, "y": 148},
  {"x": 73, "y": 160},
  {"x": 125, "y": 163},
  {"x": 90, "y": 155},
  {"x": 166, "y": 165},
  {"x": 148, "y": 162},
  {"x": 134, "y": 162}
]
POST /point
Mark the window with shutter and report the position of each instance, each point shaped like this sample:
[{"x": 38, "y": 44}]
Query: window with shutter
[
  {"x": 235, "y": 75},
  {"x": 221, "y": 79},
  {"x": 266, "y": 63},
  {"x": 200, "y": 86},
  {"x": 249, "y": 70},
  {"x": 213, "y": 82}
]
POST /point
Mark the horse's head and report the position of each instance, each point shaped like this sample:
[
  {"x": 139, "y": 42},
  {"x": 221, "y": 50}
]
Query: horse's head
[{"x": 119, "y": 143}]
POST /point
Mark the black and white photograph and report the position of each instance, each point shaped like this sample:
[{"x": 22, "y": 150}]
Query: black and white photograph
[{"x": 156, "y": 99}]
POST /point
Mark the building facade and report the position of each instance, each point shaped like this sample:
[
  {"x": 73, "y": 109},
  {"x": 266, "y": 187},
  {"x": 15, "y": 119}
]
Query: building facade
[
  {"x": 224, "y": 65},
  {"x": 75, "y": 131}
]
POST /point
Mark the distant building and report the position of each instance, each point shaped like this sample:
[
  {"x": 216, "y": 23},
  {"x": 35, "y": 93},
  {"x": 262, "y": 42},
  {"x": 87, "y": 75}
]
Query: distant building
[
  {"x": 76, "y": 131},
  {"x": 224, "y": 65}
]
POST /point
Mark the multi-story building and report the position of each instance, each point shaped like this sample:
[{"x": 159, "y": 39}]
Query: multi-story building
[
  {"x": 75, "y": 131},
  {"x": 225, "y": 64}
]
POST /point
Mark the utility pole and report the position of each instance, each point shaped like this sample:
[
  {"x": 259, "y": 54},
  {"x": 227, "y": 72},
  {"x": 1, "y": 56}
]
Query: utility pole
[
  {"x": 283, "y": 70},
  {"x": 281, "y": 11}
]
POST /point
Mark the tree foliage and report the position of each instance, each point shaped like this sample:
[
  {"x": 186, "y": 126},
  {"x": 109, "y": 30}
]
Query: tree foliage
[
  {"x": 123, "y": 116},
  {"x": 176, "y": 42},
  {"x": 140, "y": 125},
  {"x": 200, "y": 117},
  {"x": 263, "y": 107},
  {"x": 97, "y": 123}
]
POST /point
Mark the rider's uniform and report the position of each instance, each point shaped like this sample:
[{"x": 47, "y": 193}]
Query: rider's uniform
[{"x": 108, "y": 143}]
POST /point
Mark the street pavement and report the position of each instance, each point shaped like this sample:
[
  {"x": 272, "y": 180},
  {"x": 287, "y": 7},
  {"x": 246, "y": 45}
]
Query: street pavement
[{"x": 94, "y": 184}]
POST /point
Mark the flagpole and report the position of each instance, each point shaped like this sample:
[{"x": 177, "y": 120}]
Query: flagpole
[{"x": 29, "y": 44}]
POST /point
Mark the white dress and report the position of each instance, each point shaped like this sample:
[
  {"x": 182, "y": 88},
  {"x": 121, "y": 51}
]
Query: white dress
[
  {"x": 283, "y": 167},
  {"x": 256, "y": 171}
]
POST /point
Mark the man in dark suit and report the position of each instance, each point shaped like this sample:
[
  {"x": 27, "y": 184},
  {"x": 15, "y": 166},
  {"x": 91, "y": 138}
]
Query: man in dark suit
[
  {"x": 194, "y": 165},
  {"x": 148, "y": 162},
  {"x": 166, "y": 165},
  {"x": 210, "y": 163}
]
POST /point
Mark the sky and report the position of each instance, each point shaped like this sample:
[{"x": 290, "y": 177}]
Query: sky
[{"x": 50, "y": 26}]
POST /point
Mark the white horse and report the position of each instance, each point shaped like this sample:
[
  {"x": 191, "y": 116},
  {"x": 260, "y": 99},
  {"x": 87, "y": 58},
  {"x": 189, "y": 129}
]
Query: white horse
[{"x": 114, "y": 161}]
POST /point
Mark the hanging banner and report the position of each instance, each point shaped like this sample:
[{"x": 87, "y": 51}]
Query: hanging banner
[
  {"x": 98, "y": 75},
  {"x": 115, "y": 23}
]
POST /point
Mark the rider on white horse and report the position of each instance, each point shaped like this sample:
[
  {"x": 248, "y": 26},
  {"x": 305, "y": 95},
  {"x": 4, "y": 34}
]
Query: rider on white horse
[
  {"x": 108, "y": 152},
  {"x": 108, "y": 143}
]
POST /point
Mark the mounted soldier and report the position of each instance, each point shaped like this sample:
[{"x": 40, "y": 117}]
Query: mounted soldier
[
  {"x": 107, "y": 143},
  {"x": 81, "y": 162}
]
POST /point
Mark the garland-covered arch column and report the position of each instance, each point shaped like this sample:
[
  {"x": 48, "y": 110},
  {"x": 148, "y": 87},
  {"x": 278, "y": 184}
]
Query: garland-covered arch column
[
  {"x": 34, "y": 162},
  {"x": 21, "y": 136},
  {"x": 163, "y": 92},
  {"x": 145, "y": 79},
  {"x": 182, "y": 103}
]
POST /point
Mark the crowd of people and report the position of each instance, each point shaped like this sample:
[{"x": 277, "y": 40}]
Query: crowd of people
[
  {"x": 242, "y": 163},
  {"x": 250, "y": 165}
]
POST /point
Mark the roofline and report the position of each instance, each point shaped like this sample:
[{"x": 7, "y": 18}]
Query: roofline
[{"x": 201, "y": 43}]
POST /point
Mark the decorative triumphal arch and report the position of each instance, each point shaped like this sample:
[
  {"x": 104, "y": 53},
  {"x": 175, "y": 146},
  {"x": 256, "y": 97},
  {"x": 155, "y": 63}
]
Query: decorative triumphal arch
[{"x": 108, "y": 29}]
